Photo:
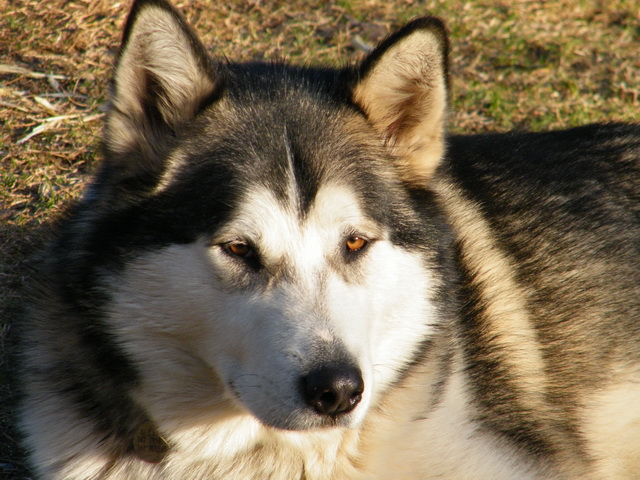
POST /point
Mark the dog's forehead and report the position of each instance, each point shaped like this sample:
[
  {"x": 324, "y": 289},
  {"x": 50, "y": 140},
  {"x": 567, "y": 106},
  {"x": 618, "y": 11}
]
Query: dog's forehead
[
  {"x": 261, "y": 211},
  {"x": 293, "y": 152},
  {"x": 279, "y": 228}
]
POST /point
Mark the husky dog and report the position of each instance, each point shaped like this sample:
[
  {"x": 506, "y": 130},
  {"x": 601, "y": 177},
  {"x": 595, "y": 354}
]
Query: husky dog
[{"x": 294, "y": 273}]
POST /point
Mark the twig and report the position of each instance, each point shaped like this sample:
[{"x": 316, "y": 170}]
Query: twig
[
  {"x": 45, "y": 103},
  {"x": 51, "y": 122},
  {"x": 14, "y": 106},
  {"x": 63, "y": 95},
  {"x": 359, "y": 44},
  {"x": 4, "y": 68}
]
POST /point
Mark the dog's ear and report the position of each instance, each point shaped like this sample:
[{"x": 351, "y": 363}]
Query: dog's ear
[
  {"x": 402, "y": 86},
  {"x": 163, "y": 78}
]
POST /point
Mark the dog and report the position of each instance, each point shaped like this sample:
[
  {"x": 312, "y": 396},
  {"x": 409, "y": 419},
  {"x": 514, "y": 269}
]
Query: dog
[{"x": 296, "y": 273}]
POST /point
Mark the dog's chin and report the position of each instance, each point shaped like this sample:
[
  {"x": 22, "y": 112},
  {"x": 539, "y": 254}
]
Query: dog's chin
[{"x": 307, "y": 420}]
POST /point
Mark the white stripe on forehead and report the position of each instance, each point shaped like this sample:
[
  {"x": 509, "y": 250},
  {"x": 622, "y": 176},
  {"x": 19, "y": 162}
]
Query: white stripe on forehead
[
  {"x": 279, "y": 230},
  {"x": 293, "y": 188}
]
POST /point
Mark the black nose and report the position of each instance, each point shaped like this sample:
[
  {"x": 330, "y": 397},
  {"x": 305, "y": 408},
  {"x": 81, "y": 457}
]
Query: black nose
[{"x": 333, "y": 390}]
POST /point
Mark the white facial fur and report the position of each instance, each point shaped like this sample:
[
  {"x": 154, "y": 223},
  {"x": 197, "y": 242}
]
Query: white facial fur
[{"x": 246, "y": 348}]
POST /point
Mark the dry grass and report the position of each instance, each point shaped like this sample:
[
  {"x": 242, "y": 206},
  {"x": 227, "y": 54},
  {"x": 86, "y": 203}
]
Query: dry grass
[{"x": 519, "y": 64}]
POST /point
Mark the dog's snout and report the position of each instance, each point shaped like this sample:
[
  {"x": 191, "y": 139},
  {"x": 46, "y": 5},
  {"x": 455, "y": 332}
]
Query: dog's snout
[{"x": 333, "y": 391}]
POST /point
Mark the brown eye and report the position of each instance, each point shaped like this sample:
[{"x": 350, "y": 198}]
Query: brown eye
[
  {"x": 356, "y": 243},
  {"x": 240, "y": 249}
]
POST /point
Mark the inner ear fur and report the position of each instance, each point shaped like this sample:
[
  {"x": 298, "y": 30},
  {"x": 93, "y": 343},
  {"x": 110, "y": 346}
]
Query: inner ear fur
[{"x": 403, "y": 88}]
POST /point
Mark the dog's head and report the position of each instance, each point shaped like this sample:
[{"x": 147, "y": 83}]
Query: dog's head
[{"x": 264, "y": 228}]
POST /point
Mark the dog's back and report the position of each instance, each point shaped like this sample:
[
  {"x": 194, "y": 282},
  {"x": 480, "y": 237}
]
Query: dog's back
[{"x": 548, "y": 228}]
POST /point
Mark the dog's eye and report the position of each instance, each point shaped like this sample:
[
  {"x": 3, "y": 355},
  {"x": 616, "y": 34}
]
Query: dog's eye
[
  {"x": 240, "y": 249},
  {"x": 356, "y": 243}
]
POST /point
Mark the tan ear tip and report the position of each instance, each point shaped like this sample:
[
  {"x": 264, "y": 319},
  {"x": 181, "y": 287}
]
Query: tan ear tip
[
  {"x": 434, "y": 25},
  {"x": 427, "y": 23}
]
